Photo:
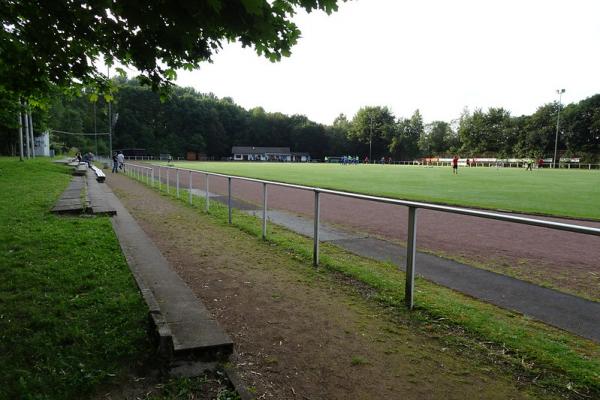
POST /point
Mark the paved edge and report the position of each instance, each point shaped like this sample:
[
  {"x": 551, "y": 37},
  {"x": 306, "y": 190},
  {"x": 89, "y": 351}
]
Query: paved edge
[{"x": 574, "y": 314}]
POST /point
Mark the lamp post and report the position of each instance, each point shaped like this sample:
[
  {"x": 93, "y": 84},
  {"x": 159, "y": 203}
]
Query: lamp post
[
  {"x": 370, "y": 138},
  {"x": 560, "y": 93}
]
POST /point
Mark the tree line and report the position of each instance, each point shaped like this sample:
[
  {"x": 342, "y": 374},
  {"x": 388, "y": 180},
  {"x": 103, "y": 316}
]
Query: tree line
[{"x": 188, "y": 120}]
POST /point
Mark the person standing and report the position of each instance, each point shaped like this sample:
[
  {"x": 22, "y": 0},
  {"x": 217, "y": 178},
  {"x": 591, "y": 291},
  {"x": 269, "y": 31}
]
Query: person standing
[
  {"x": 115, "y": 159},
  {"x": 121, "y": 159},
  {"x": 529, "y": 165},
  {"x": 455, "y": 165}
]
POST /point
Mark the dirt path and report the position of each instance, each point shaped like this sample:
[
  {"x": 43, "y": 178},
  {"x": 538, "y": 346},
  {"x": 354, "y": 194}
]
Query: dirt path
[
  {"x": 299, "y": 334},
  {"x": 563, "y": 260}
]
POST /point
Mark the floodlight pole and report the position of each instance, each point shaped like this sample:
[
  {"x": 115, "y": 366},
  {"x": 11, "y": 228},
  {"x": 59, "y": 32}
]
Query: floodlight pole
[
  {"x": 20, "y": 136},
  {"x": 370, "y": 139},
  {"x": 96, "y": 132},
  {"x": 26, "y": 119},
  {"x": 110, "y": 149},
  {"x": 31, "y": 132},
  {"x": 560, "y": 92}
]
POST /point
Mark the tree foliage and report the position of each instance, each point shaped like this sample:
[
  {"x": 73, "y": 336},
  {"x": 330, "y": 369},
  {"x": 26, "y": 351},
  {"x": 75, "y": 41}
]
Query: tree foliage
[
  {"x": 191, "y": 121},
  {"x": 46, "y": 43}
]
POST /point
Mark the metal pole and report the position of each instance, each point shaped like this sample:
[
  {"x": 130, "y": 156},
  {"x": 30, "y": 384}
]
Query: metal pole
[
  {"x": 31, "y": 131},
  {"x": 152, "y": 177},
  {"x": 370, "y": 139},
  {"x": 560, "y": 92},
  {"x": 159, "y": 180},
  {"x": 206, "y": 190},
  {"x": 229, "y": 197},
  {"x": 167, "y": 180},
  {"x": 27, "y": 134},
  {"x": 264, "y": 221},
  {"x": 411, "y": 253},
  {"x": 20, "y": 136},
  {"x": 316, "y": 231},
  {"x": 110, "y": 149},
  {"x": 190, "y": 190},
  {"x": 177, "y": 181},
  {"x": 95, "y": 129}
]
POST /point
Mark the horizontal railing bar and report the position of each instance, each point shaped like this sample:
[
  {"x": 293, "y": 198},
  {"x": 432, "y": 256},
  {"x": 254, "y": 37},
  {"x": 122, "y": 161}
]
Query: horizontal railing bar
[
  {"x": 139, "y": 166},
  {"x": 428, "y": 206}
]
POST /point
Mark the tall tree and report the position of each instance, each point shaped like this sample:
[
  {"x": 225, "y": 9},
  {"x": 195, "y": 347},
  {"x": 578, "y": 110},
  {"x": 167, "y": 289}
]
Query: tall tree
[
  {"x": 405, "y": 141},
  {"x": 374, "y": 127},
  {"x": 436, "y": 138},
  {"x": 62, "y": 42},
  {"x": 582, "y": 128},
  {"x": 484, "y": 132}
]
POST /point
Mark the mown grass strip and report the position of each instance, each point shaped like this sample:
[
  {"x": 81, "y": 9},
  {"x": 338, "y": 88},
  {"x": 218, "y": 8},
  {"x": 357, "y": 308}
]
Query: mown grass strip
[
  {"x": 549, "y": 357},
  {"x": 560, "y": 192},
  {"x": 71, "y": 317}
]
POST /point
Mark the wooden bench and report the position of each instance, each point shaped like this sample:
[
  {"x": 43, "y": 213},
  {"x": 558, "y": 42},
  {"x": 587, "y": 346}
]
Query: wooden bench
[{"x": 100, "y": 176}]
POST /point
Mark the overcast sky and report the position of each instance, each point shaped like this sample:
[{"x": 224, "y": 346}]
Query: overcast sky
[{"x": 437, "y": 56}]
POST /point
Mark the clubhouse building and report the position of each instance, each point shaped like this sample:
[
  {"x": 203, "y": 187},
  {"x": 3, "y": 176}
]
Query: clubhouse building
[{"x": 282, "y": 154}]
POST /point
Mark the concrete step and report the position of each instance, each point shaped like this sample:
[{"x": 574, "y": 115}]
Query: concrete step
[{"x": 185, "y": 327}]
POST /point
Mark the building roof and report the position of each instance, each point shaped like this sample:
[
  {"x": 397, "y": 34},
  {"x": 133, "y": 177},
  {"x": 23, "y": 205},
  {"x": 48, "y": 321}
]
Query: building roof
[{"x": 259, "y": 150}]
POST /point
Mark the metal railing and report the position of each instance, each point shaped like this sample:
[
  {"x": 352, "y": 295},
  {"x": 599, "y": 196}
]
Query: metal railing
[{"x": 140, "y": 172}]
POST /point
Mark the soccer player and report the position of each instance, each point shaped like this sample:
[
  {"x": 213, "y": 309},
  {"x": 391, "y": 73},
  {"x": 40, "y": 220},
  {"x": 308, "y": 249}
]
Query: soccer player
[{"x": 455, "y": 165}]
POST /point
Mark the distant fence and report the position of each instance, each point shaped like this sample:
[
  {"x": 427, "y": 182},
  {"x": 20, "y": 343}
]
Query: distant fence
[
  {"x": 147, "y": 175},
  {"x": 514, "y": 164},
  {"x": 477, "y": 164}
]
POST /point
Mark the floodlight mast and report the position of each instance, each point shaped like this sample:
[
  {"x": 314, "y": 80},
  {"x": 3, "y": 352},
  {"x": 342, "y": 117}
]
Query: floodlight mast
[
  {"x": 110, "y": 149},
  {"x": 560, "y": 93},
  {"x": 370, "y": 138}
]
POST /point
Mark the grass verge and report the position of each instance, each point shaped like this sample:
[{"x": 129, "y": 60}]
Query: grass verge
[
  {"x": 545, "y": 356},
  {"x": 71, "y": 317}
]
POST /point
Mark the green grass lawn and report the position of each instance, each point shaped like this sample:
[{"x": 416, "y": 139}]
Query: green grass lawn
[
  {"x": 569, "y": 193},
  {"x": 71, "y": 317}
]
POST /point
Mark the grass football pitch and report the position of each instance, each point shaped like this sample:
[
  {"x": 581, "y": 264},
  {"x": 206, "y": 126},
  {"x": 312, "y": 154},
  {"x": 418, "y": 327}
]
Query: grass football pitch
[{"x": 569, "y": 193}]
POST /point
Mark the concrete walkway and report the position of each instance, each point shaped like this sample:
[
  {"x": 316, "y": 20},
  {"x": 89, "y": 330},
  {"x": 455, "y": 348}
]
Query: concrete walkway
[
  {"x": 84, "y": 194},
  {"x": 185, "y": 326},
  {"x": 565, "y": 311}
]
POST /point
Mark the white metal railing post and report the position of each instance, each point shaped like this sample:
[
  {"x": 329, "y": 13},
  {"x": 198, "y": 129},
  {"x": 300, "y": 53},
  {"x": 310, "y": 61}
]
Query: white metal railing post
[
  {"x": 316, "y": 230},
  {"x": 207, "y": 197},
  {"x": 229, "y": 197},
  {"x": 168, "y": 179},
  {"x": 159, "y": 180},
  {"x": 177, "y": 181},
  {"x": 190, "y": 188},
  {"x": 411, "y": 253},
  {"x": 264, "y": 221},
  {"x": 152, "y": 177}
]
